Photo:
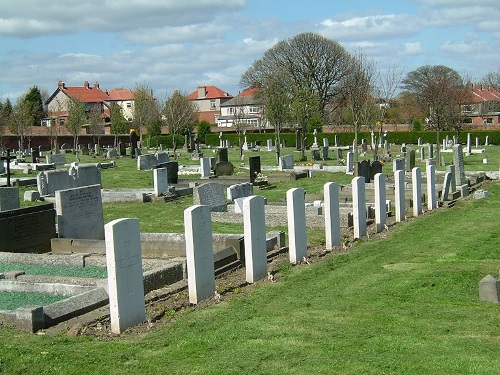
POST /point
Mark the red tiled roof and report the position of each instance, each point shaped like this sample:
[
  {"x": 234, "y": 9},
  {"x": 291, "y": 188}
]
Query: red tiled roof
[
  {"x": 211, "y": 92},
  {"x": 482, "y": 93},
  {"x": 248, "y": 92},
  {"x": 86, "y": 94},
  {"x": 121, "y": 94}
]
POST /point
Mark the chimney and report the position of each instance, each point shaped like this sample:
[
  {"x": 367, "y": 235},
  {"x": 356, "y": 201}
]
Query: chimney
[
  {"x": 202, "y": 91},
  {"x": 61, "y": 84},
  {"x": 96, "y": 85},
  {"x": 86, "y": 84}
]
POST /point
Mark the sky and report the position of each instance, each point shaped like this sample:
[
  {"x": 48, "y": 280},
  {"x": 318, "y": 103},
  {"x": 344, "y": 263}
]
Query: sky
[{"x": 180, "y": 45}]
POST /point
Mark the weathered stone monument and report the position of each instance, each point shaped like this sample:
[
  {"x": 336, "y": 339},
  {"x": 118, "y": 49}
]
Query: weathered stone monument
[
  {"x": 332, "y": 215},
  {"x": 9, "y": 198},
  {"x": 458, "y": 161},
  {"x": 211, "y": 195},
  {"x": 79, "y": 213},
  {"x": 160, "y": 182}
]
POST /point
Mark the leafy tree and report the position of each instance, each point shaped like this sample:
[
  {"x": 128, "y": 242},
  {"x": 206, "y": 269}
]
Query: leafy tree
[
  {"x": 180, "y": 114},
  {"x": 309, "y": 61},
  {"x": 203, "y": 127},
  {"x": 77, "y": 116},
  {"x": 34, "y": 102},
  {"x": 118, "y": 123},
  {"x": 5, "y": 115},
  {"x": 440, "y": 93}
]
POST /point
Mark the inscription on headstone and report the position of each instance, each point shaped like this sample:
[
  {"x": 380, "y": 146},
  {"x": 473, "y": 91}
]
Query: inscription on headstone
[
  {"x": 9, "y": 198},
  {"x": 212, "y": 195}
]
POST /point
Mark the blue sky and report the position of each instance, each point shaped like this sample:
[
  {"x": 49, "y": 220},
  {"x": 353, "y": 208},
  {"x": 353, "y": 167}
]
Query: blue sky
[{"x": 172, "y": 44}]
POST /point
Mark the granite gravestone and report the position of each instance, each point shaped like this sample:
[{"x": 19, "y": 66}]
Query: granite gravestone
[
  {"x": 9, "y": 198},
  {"x": 212, "y": 195},
  {"x": 255, "y": 168},
  {"x": 79, "y": 213},
  {"x": 364, "y": 170},
  {"x": 28, "y": 230}
]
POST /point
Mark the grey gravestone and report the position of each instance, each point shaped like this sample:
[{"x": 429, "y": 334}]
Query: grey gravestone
[
  {"x": 324, "y": 152},
  {"x": 254, "y": 167},
  {"x": 85, "y": 151},
  {"x": 79, "y": 213},
  {"x": 111, "y": 154},
  {"x": 286, "y": 162},
  {"x": 56, "y": 159},
  {"x": 146, "y": 162},
  {"x": 431, "y": 151},
  {"x": 28, "y": 230},
  {"x": 224, "y": 168},
  {"x": 451, "y": 169},
  {"x": 239, "y": 191},
  {"x": 338, "y": 154},
  {"x": 398, "y": 164},
  {"x": 162, "y": 157},
  {"x": 364, "y": 170},
  {"x": 315, "y": 154},
  {"x": 489, "y": 289},
  {"x": 9, "y": 198},
  {"x": 458, "y": 161},
  {"x": 211, "y": 195},
  {"x": 410, "y": 160},
  {"x": 44, "y": 148},
  {"x": 172, "y": 171},
  {"x": 122, "y": 149}
]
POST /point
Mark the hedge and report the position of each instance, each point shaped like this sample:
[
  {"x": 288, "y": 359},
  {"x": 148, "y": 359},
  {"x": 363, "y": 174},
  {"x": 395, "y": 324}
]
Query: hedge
[{"x": 396, "y": 137}]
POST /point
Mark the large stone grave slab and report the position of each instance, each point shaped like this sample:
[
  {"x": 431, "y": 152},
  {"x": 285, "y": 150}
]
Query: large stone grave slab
[
  {"x": 27, "y": 230},
  {"x": 212, "y": 195},
  {"x": 48, "y": 182},
  {"x": 56, "y": 159},
  {"x": 286, "y": 162},
  {"x": 9, "y": 198},
  {"x": 79, "y": 213}
]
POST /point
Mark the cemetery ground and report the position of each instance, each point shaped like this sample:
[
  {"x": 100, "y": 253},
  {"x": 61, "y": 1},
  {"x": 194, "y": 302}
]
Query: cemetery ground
[{"x": 405, "y": 301}]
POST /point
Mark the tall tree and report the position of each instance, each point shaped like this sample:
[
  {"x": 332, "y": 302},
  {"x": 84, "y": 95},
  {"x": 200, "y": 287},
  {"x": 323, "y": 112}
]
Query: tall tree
[
  {"x": 34, "y": 102},
  {"x": 492, "y": 79},
  {"x": 440, "y": 92},
  {"x": 77, "y": 116},
  {"x": 309, "y": 61},
  {"x": 144, "y": 107},
  {"x": 118, "y": 123},
  {"x": 304, "y": 109},
  {"x": 203, "y": 127},
  {"x": 180, "y": 115}
]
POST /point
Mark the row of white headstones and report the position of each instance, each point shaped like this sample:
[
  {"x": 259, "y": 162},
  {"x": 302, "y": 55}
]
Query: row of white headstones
[{"x": 123, "y": 245}]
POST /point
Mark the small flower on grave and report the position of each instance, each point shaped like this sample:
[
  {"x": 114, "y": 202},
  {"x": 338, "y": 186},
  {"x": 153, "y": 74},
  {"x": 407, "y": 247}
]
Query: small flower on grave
[{"x": 260, "y": 178}]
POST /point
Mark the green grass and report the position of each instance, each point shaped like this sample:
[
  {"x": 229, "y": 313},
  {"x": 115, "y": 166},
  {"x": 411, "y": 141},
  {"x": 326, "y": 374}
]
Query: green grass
[
  {"x": 68, "y": 271},
  {"x": 404, "y": 305}
]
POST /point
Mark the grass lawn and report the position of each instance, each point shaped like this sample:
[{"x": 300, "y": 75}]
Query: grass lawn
[{"x": 407, "y": 304}]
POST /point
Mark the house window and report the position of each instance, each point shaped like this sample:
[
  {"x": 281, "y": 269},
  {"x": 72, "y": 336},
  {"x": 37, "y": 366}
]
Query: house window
[
  {"x": 213, "y": 104},
  {"x": 231, "y": 110},
  {"x": 61, "y": 121},
  {"x": 489, "y": 120},
  {"x": 254, "y": 109},
  {"x": 129, "y": 105}
]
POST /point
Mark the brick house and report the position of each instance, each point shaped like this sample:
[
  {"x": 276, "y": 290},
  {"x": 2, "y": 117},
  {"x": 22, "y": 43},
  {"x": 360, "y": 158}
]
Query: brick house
[
  {"x": 209, "y": 100},
  {"x": 244, "y": 109},
  {"x": 484, "y": 107}
]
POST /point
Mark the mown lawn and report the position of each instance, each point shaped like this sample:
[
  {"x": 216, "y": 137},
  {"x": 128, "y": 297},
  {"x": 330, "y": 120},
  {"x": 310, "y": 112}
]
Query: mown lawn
[{"x": 403, "y": 305}]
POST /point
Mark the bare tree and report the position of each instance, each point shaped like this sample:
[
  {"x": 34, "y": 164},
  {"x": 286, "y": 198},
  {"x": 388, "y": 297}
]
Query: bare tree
[
  {"x": 96, "y": 125},
  {"x": 144, "y": 103},
  {"x": 358, "y": 95},
  {"x": 309, "y": 61},
  {"x": 239, "y": 114},
  {"x": 118, "y": 123},
  {"x": 181, "y": 115},
  {"x": 304, "y": 109},
  {"x": 21, "y": 120},
  {"x": 492, "y": 79},
  {"x": 440, "y": 93}
]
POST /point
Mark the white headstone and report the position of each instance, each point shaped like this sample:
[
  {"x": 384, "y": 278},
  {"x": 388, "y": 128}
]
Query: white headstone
[
  {"x": 350, "y": 162},
  {"x": 296, "y": 213},
  {"x": 125, "y": 280},
  {"x": 160, "y": 181},
  {"x": 332, "y": 215},
  {"x": 254, "y": 222},
  {"x": 359, "y": 206},
  {"x": 79, "y": 213},
  {"x": 269, "y": 145},
  {"x": 431, "y": 187},
  {"x": 416, "y": 181},
  {"x": 199, "y": 253},
  {"x": 380, "y": 201},
  {"x": 399, "y": 184},
  {"x": 205, "y": 167}
]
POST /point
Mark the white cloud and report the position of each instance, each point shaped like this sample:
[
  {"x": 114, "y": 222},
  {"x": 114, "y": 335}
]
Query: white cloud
[
  {"x": 464, "y": 47},
  {"x": 370, "y": 27},
  {"x": 412, "y": 48},
  {"x": 30, "y": 18}
]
